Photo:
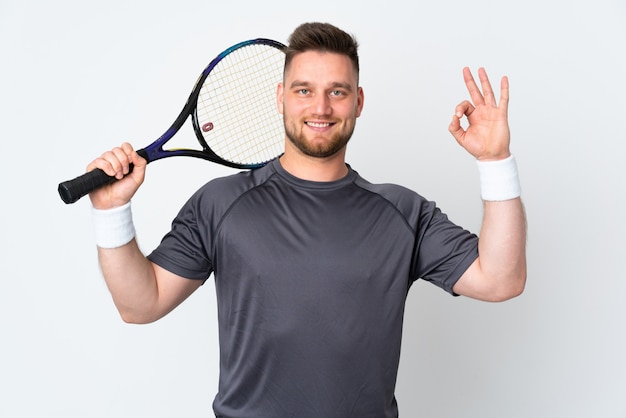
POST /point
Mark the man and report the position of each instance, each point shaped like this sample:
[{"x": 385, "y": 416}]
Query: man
[{"x": 312, "y": 263}]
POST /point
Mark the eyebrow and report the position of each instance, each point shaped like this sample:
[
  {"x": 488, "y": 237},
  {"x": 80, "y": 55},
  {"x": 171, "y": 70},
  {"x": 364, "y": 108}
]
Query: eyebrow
[{"x": 302, "y": 83}]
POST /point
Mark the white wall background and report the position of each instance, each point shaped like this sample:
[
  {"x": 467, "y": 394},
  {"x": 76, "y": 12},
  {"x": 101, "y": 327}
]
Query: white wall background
[{"x": 78, "y": 77}]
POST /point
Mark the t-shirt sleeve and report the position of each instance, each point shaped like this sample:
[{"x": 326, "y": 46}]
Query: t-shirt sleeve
[
  {"x": 184, "y": 249},
  {"x": 443, "y": 250}
]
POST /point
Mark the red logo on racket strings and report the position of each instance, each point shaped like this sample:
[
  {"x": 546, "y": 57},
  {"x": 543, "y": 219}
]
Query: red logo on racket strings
[{"x": 207, "y": 127}]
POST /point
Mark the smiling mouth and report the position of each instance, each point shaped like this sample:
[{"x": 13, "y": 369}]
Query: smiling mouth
[{"x": 319, "y": 124}]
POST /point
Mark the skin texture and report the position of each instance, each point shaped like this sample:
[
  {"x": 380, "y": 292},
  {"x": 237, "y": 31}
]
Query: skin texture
[{"x": 320, "y": 100}]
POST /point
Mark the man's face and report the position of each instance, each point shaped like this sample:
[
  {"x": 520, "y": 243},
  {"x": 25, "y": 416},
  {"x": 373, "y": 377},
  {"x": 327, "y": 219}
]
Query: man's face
[{"x": 320, "y": 101}]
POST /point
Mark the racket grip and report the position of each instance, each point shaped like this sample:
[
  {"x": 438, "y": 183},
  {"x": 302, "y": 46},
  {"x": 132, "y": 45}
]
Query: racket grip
[{"x": 72, "y": 190}]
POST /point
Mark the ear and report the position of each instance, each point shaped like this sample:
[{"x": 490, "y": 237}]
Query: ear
[
  {"x": 359, "y": 102},
  {"x": 279, "y": 97}
]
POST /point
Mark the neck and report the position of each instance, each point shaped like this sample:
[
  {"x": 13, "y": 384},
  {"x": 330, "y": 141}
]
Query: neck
[{"x": 312, "y": 168}]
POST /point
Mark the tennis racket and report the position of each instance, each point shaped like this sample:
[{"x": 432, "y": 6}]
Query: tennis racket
[{"x": 233, "y": 113}]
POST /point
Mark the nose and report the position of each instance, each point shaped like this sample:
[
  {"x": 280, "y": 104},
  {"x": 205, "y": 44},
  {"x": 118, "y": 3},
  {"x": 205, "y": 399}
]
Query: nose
[{"x": 321, "y": 105}]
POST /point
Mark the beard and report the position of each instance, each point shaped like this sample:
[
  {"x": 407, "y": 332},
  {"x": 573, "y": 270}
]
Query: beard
[{"x": 323, "y": 149}]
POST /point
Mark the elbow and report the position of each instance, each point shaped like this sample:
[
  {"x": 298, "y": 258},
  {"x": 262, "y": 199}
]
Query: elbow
[
  {"x": 135, "y": 318},
  {"x": 513, "y": 288},
  {"x": 508, "y": 294},
  {"x": 491, "y": 286},
  {"x": 132, "y": 320}
]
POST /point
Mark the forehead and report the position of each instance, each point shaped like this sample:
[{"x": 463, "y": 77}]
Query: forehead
[{"x": 311, "y": 66}]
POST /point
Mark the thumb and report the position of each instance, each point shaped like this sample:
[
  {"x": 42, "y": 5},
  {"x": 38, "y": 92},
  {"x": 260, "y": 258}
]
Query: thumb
[
  {"x": 139, "y": 167},
  {"x": 456, "y": 129}
]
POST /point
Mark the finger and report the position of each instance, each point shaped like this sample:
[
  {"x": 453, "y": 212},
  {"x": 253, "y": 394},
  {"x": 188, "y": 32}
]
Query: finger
[
  {"x": 121, "y": 161},
  {"x": 474, "y": 91},
  {"x": 464, "y": 108},
  {"x": 128, "y": 148},
  {"x": 456, "y": 129},
  {"x": 490, "y": 98},
  {"x": 504, "y": 94},
  {"x": 112, "y": 162},
  {"x": 138, "y": 160}
]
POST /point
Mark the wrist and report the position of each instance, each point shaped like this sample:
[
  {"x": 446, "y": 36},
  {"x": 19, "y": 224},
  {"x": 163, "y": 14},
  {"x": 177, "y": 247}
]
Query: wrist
[
  {"x": 114, "y": 227},
  {"x": 499, "y": 179}
]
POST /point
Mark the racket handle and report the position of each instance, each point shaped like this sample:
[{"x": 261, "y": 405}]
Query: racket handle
[{"x": 72, "y": 190}]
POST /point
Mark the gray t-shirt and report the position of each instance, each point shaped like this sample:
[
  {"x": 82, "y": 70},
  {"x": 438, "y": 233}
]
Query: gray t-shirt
[{"x": 311, "y": 281}]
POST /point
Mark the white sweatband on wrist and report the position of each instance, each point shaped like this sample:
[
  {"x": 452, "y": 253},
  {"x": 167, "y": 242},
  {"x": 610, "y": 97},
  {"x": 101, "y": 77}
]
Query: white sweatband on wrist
[
  {"x": 499, "y": 180},
  {"x": 113, "y": 228}
]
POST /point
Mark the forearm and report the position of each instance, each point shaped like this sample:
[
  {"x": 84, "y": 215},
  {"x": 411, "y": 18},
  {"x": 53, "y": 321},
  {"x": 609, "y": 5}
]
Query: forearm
[
  {"x": 502, "y": 247},
  {"x": 129, "y": 276},
  {"x": 499, "y": 273},
  {"x": 131, "y": 279}
]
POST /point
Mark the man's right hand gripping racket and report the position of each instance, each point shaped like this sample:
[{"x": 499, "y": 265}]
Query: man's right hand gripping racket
[{"x": 233, "y": 112}]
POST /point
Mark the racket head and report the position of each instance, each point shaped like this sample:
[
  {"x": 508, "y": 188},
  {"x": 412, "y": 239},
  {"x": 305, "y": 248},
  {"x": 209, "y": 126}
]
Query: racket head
[{"x": 233, "y": 108}]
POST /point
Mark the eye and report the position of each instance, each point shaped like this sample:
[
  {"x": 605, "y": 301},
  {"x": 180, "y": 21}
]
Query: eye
[
  {"x": 303, "y": 92},
  {"x": 337, "y": 93}
]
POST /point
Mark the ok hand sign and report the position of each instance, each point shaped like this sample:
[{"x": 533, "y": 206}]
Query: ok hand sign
[{"x": 487, "y": 137}]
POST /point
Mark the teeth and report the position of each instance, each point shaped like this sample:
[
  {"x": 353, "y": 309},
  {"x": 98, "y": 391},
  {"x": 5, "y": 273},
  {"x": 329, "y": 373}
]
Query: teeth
[{"x": 318, "y": 124}]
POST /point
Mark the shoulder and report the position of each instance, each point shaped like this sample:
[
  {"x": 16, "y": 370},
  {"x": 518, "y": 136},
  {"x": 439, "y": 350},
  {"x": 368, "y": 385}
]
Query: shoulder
[
  {"x": 406, "y": 201},
  {"x": 231, "y": 187},
  {"x": 215, "y": 197}
]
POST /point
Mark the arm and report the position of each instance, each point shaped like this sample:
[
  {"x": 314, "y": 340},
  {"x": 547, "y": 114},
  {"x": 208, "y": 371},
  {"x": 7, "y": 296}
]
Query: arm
[
  {"x": 142, "y": 291},
  {"x": 499, "y": 273}
]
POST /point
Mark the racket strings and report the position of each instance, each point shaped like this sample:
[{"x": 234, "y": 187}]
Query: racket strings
[{"x": 237, "y": 104}]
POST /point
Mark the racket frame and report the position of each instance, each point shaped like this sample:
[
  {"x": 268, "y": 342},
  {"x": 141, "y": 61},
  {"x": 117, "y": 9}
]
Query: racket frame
[{"x": 155, "y": 150}]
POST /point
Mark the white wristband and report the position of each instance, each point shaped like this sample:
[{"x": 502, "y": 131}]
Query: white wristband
[
  {"x": 113, "y": 228},
  {"x": 499, "y": 179}
]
